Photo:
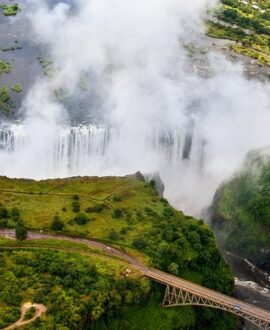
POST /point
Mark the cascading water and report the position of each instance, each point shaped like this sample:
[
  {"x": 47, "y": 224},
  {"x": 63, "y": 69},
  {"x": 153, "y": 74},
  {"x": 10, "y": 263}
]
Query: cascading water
[
  {"x": 12, "y": 138},
  {"x": 88, "y": 150}
]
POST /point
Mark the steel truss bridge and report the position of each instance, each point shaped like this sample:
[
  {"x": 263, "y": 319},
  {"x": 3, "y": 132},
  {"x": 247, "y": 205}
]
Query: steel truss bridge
[{"x": 180, "y": 292}]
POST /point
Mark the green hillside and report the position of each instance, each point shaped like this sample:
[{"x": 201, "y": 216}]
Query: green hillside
[{"x": 125, "y": 212}]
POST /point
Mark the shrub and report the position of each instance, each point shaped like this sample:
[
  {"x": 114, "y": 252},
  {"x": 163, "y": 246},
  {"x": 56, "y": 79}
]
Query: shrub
[
  {"x": 152, "y": 184},
  {"x": 164, "y": 200},
  {"x": 167, "y": 212},
  {"x": 139, "y": 243},
  {"x": 57, "y": 224},
  {"x": 17, "y": 88},
  {"x": 81, "y": 219},
  {"x": 30, "y": 313},
  {"x": 173, "y": 269},
  {"x": 124, "y": 231},
  {"x": 117, "y": 213},
  {"x": 15, "y": 214},
  {"x": 149, "y": 211},
  {"x": 75, "y": 197},
  {"x": 11, "y": 10},
  {"x": 95, "y": 209},
  {"x": 3, "y": 222},
  {"x": 139, "y": 215},
  {"x": 76, "y": 207},
  {"x": 21, "y": 233},
  {"x": 116, "y": 198},
  {"x": 113, "y": 235},
  {"x": 3, "y": 212}
]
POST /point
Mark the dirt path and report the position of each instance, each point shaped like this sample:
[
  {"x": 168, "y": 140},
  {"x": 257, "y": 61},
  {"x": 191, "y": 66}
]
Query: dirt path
[{"x": 40, "y": 309}]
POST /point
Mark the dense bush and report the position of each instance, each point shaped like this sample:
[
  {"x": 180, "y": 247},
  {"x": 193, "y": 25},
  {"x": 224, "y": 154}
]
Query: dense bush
[
  {"x": 3, "y": 212},
  {"x": 81, "y": 219},
  {"x": 117, "y": 213},
  {"x": 15, "y": 214},
  {"x": 76, "y": 207},
  {"x": 95, "y": 209},
  {"x": 57, "y": 224},
  {"x": 21, "y": 233}
]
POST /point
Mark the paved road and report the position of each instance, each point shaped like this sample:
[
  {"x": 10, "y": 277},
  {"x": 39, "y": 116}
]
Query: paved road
[{"x": 155, "y": 274}]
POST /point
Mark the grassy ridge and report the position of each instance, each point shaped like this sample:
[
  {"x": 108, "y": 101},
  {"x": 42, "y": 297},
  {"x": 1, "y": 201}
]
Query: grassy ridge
[{"x": 40, "y": 201}]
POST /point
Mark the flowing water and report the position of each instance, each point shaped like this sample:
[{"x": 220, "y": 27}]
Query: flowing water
[{"x": 88, "y": 149}]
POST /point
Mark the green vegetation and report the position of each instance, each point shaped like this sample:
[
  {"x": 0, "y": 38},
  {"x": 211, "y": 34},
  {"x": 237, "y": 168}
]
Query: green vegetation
[
  {"x": 48, "y": 70},
  {"x": 4, "y": 100},
  {"x": 17, "y": 88},
  {"x": 77, "y": 290},
  {"x": 5, "y": 67},
  {"x": 241, "y": 212},
  {"x": 138, "y": 221},
  {"x": 247, "y": 24},
  {"x": 30, "y": 313},
  {"x": 10, "y": 10},
  {"x": 57, "y": 224},
  {"x": 21, "y": 233}
]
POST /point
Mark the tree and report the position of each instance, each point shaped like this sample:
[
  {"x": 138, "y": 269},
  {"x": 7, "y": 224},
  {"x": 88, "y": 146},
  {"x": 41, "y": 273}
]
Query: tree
[
  {"x": 57, "y": 224},
  {"x": 139, "y": 243},
  {"x": 81, "y": 219},
  {"x": 173, "y": 268},
  {"x": 117, "y": 213},
  {"x": 21, "y": 233},
  {"x": 15, "y": 214},
  {"x": 3, "y": 212},
  {"x": 113, "y": 235},
  {"x": 76, "y": 206}
]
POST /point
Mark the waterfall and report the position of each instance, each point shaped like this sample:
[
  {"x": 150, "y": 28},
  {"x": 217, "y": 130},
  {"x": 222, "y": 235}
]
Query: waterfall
[
  {"x": 12, "y": 138},
  {"x": 85, "y": 149}
]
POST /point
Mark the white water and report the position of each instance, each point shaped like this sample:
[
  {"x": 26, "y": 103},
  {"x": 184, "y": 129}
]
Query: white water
[{"x": 92, "y": 150}]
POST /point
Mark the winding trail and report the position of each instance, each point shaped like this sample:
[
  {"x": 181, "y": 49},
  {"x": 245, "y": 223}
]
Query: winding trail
[{"x": 40, "y": 309}]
